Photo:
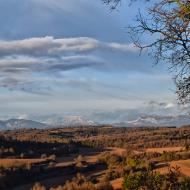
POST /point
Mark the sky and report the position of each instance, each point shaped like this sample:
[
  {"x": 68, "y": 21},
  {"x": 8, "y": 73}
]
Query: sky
[{"x": 75, "y": 57}]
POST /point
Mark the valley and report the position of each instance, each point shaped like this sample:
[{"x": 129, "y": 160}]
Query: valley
[{"x": 99, "y": 156}]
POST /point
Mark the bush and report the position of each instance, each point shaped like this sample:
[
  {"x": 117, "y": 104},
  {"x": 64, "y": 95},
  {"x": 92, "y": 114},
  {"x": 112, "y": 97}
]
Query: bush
[
  {"x": 133, "y": 181},
  {"x": 38, "y": 186},
  {"x": 81, "y": 183}
]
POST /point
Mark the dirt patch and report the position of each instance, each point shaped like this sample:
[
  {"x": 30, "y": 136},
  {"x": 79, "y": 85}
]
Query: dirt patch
[{"x": 117, "y": 183}]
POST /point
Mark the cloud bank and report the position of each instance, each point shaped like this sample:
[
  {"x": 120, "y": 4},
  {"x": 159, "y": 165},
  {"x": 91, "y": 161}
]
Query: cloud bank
[
  {"x": 47, "y": 56},
  {"x": 49, "y": 46}
]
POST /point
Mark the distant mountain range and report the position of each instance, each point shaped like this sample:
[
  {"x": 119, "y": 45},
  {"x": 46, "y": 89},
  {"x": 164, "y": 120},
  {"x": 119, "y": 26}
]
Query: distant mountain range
[
  {"x": 144, "y": 120},
  {"x": 24, "y": 123},
  {"x": 157, "y": 120},
  {"x": 21, "y": 123}
]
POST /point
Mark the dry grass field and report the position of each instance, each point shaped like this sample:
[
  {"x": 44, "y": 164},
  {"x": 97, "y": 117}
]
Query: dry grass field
[
  {"x": 184, "y": 166},
  {"x": 90, "y": 158},
  {"x": 10, "y": 163}
]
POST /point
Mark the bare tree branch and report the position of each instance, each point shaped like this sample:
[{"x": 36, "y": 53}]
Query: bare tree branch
[{"x": 168, "y": 27}]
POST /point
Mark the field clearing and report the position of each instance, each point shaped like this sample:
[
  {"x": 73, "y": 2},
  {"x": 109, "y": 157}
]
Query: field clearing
[
  {"x": 117, "y": 151},
  {"x": 8, "y": 163},
  {"x": 183, "y": 164},
  {"x": 165, "y": 149},
  {"x": 90, "y": 158},
  {"x": 70, "y": 160}
]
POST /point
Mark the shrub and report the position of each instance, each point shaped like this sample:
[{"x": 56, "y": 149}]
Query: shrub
[{"x": 38, "y": 186}]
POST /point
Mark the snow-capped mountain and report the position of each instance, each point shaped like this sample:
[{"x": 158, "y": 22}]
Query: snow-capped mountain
[
  {"x": 55, "y": 120},
  {"x": 21, "y": 123},
  {"x": 76, "y": 121},
  {"x": 157, "y": 120}
]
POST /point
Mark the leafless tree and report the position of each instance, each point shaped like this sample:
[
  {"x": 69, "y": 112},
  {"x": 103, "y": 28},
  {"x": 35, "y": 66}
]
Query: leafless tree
[
  {"x": 167, "y": 25},
  {"x": 112, "y": 3}
]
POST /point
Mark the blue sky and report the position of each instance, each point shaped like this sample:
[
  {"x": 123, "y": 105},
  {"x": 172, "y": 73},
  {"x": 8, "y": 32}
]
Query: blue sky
[{"x": 72, "y": 56}]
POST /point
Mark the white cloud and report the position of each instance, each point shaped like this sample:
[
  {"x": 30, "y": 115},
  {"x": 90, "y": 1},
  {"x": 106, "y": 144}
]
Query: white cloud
[
  {"x": 49, "y": 46},
  {"x": 23, "y": 116},
  {"x": 169, "y": 105}
]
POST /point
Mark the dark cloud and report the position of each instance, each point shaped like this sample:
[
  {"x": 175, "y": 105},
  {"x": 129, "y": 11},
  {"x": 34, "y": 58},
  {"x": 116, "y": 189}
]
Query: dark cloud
[
  {"x": 19, "y": 64},
  {"x": 25, "y": 85},
  {"x": 47, "y": 56},
  {"x": 69, "y": 67}
]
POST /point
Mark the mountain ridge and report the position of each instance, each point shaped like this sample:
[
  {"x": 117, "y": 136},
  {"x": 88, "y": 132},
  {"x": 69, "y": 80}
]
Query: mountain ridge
[
  {"x": 158, "y": 120},
  {"x": 20, "y": 124},
  {"x": 66, "y": 121}
]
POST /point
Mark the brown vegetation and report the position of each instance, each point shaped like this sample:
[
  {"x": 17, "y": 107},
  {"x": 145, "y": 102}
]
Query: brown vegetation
[{"x": 104, "y": 157}]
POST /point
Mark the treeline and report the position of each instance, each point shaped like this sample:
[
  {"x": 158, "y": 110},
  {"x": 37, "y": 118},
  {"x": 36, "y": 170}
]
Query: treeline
[
  {"x": 30, "y": 149},
  {"x": 138, "y": 138}
]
